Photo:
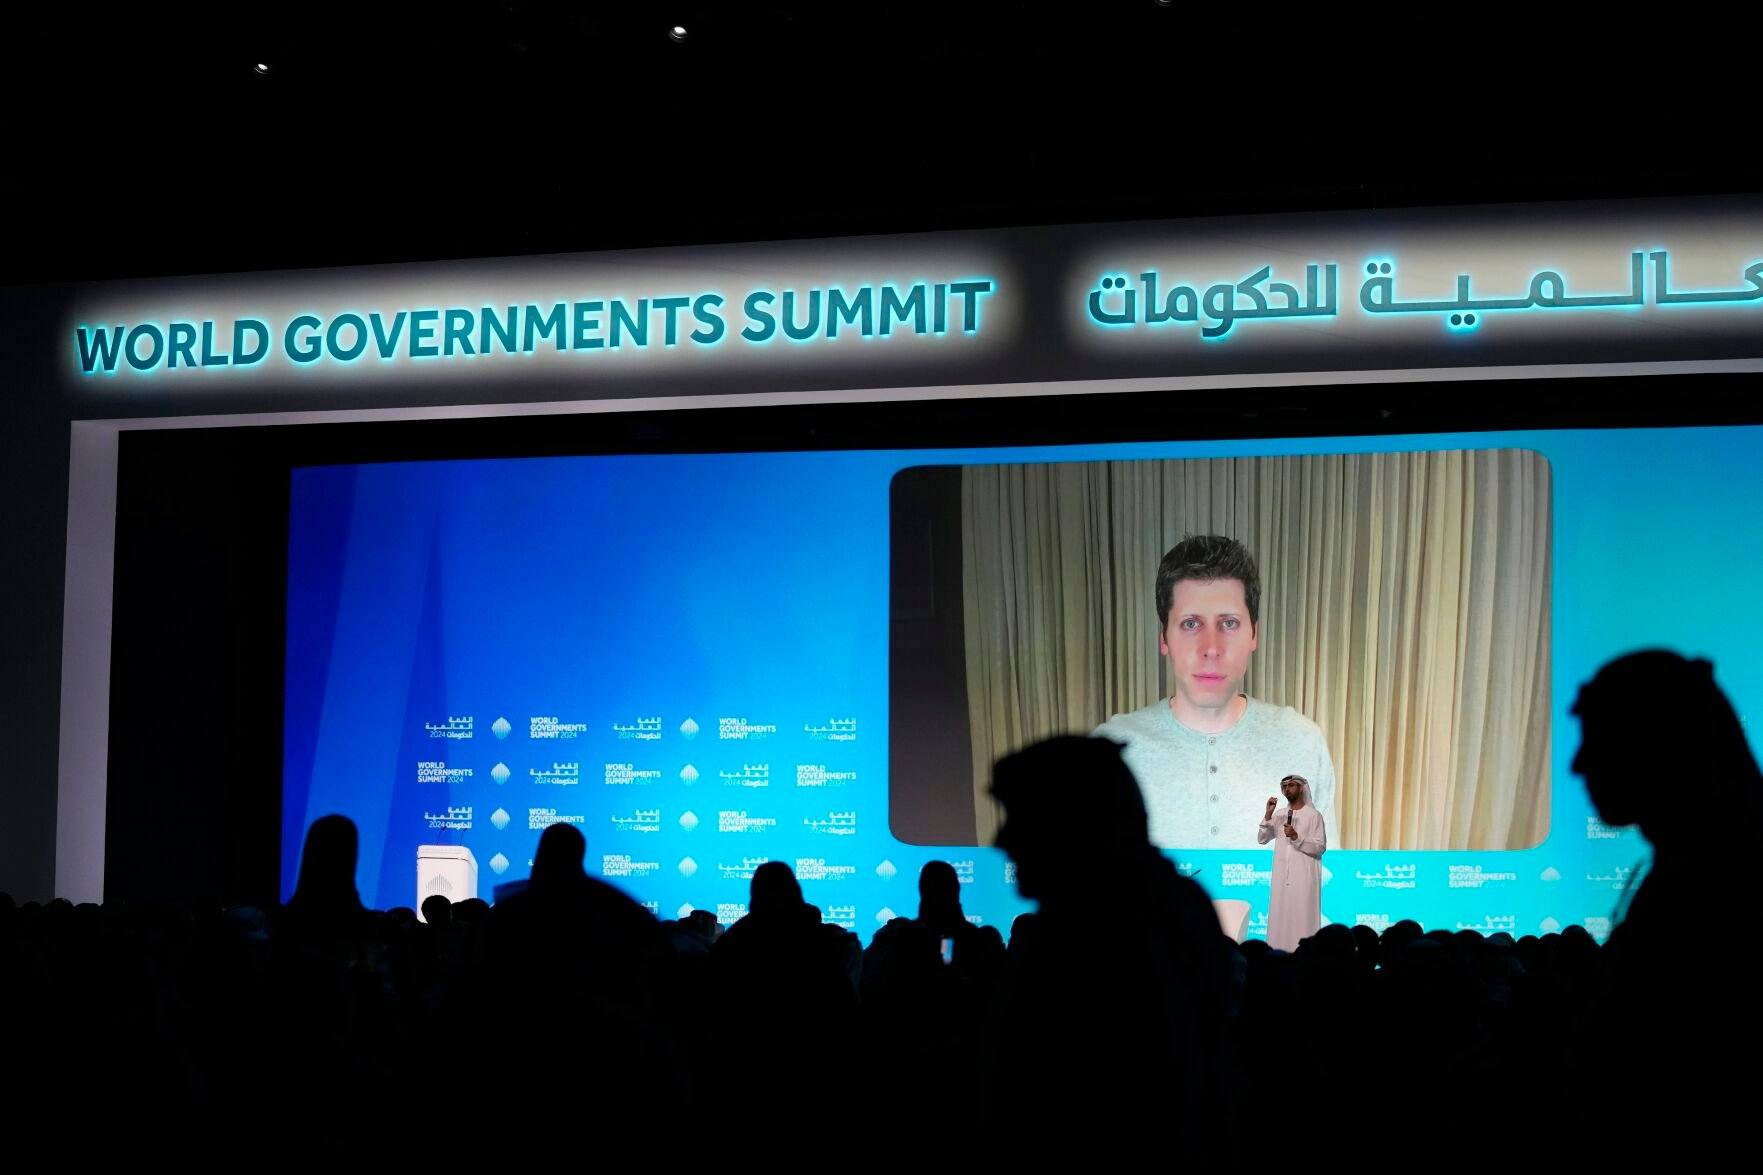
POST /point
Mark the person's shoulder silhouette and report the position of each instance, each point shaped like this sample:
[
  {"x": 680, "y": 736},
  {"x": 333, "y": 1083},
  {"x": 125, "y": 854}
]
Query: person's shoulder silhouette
[{"x": 1127, "y": 977}]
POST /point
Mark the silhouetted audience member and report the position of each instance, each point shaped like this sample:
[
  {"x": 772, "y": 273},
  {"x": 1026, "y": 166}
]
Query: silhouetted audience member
[
  {"x": 1662, "y": 748},
  {"x": 573, "y": 965},
  {"x": 1113, "y": 1017},
  {"x": 783, "y": 1005},
  {"x": 929, "y": 983},
  {"x": 335, "y": 1009}
]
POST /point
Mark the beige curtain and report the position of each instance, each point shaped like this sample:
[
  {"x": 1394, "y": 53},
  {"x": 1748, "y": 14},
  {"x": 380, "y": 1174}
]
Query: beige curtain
[{"x": 1404, "y": 609}]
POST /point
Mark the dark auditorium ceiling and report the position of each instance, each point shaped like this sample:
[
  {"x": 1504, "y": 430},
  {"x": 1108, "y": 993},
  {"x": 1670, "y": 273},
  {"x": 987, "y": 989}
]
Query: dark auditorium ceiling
[{"x": 150, "y": 141}]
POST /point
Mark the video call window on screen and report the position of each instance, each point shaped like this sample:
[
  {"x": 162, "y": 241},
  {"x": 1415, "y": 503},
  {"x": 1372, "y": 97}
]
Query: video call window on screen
[{"x": 1399, "y": 655}]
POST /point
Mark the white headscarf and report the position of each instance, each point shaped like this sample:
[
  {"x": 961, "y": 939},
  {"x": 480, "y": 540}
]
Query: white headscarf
[{"x": 1303, "y": 788}]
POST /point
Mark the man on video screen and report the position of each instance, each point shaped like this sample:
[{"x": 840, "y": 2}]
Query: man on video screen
[{"x": 1208, "y": 754}]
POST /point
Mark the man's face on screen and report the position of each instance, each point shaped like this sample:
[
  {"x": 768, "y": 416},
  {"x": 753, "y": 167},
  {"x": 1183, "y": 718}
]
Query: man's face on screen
[{"x": 1208, "y": 641}]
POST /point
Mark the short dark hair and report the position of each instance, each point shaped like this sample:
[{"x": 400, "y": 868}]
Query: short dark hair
[
  {"x": 938, "y": 881},
  {"x": 1034, "y": 785},
  {"x": 1207, "y": 557}
]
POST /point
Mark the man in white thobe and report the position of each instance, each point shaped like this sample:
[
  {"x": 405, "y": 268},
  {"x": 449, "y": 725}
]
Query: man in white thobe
[{"x": 1299, "y": 839}]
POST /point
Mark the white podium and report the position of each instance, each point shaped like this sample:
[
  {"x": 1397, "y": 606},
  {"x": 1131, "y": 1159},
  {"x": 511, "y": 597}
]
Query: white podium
[{"x": 448, "y": 870}]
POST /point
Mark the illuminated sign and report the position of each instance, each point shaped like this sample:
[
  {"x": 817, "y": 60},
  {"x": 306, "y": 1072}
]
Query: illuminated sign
[
  {"x": 1117, "y": 302},
  {"x": 866, "y": 311}
]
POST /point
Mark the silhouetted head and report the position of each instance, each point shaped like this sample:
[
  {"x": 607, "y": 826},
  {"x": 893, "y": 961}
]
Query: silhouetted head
[
  {"x": 1365, "y": 941},
  {"x": 327, "y": 867},
  {"x": 558, "y": 861},
  {"x": 939, "y": 892},
  {"x": 437, "y": 910},
  {"x": 1395, "y": 941},
  {"x": 703, "y": 924},
  {"x": 1660, "y": 745},
  {"x": 775, "y": 890},
  {"x": 1046, "y": 787},
  {"x": 1334, "y": 940}
]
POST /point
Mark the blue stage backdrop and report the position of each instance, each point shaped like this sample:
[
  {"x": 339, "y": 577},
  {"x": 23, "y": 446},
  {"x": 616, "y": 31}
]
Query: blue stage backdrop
[{"x": 687, "y": 657}]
